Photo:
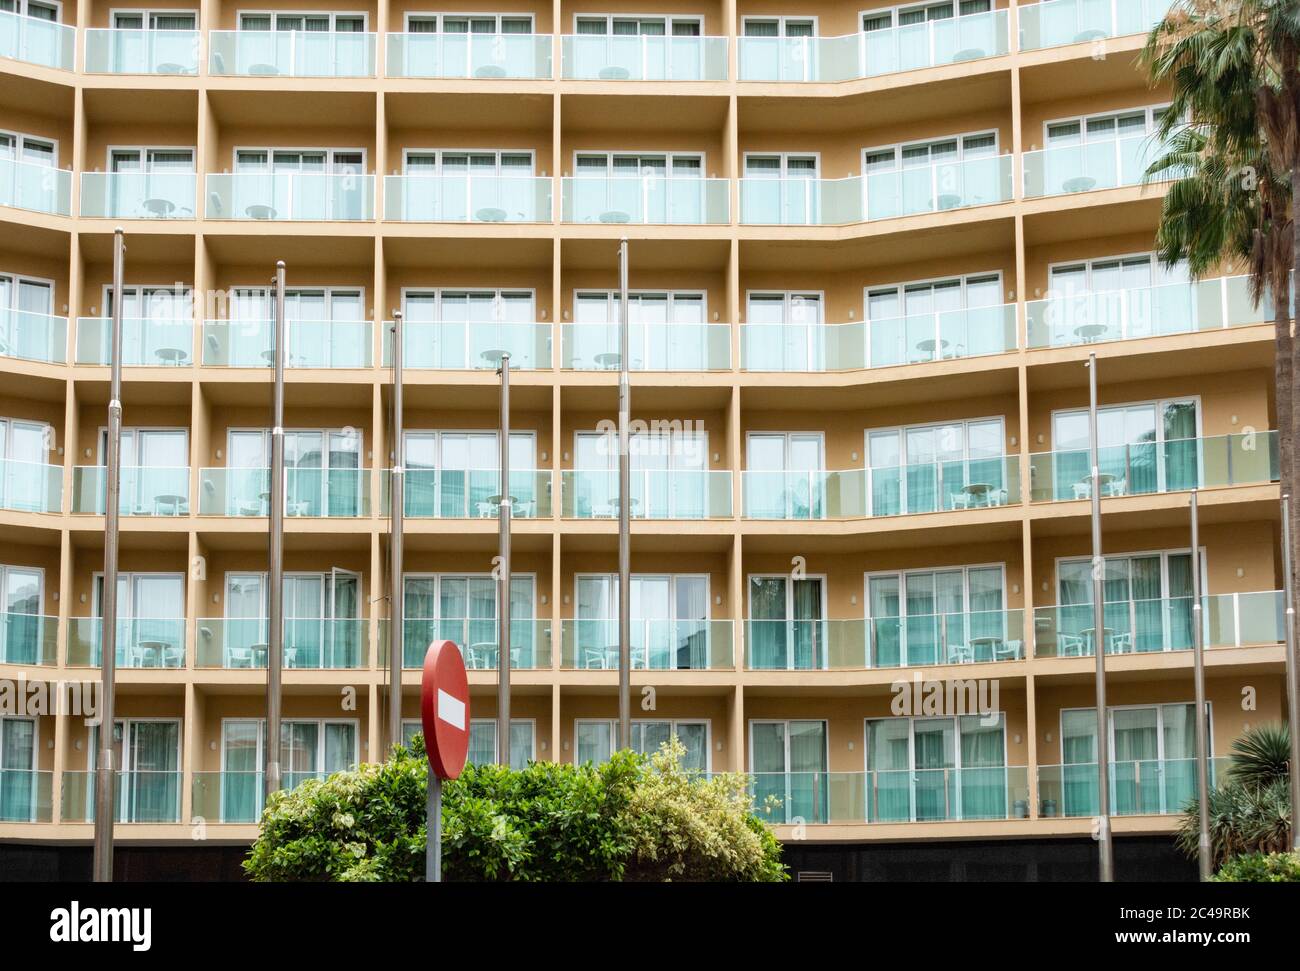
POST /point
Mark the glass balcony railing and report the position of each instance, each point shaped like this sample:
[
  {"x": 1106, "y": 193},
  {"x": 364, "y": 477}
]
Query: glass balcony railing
[
  {"x": 291, "y": 196},
  {"x": 309, "y": 492},
  {"x": 311, "y": 343},
  {"x": 28, "y": 638},
  {"x": 918, "y": 339},
  {"x": 1142, "y": 787},
  {"x": 237, "y": 797},
  {"x": 1163, "y": 624},
  {"x": 146, "y": 341},
  {"x": 892, "y": 796},
  {"x": 652, "y": 347},
  {"x": 310, "y": 643},
  {"x": 138, "y": 195},
  {"x": 656, "y": 494},
  {"x": 886, "y": 491},
  {"x": 1054, "y": 23},
  {"x": 26, "y": 796},
  {"x": 1146, "y": 468},
  {"x": 37, "y": 41},
  {"x": 1068, "y": 319},
  {"x": 1106, "y": 164},
  {"x": 143, "y": 796},
  {"x": 36, "y": 188},
  {"x": 33, "y": 337},
  {"x": 291, "y": 53},
  {"x": 651, "y": 199},
  {"x": 144, "y": 491},
  {"x": 472, "y": 345},
  {"x": 477, "y": 638},
  {"x": 643, "y": 57},
  {"x": 142, "y": 642},
  {"x": 907, "y": 48},
  {"x": 142, "y": 51},
  {"x": 656, "y": 644},
  {"x": 31, "y": 486},
  {"x": 467, "y": 198},
  {"x": 469, "y": 493},
  {"x": 878, "y": 195},
  {"x": 444, "y": 55}
]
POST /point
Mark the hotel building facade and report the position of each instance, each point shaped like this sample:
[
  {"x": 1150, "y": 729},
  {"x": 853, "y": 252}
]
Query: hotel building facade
[{"x": 872, "y": 248}]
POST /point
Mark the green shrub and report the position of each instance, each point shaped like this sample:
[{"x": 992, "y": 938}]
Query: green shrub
[
  {"x": 631, "y": 818},
  {"x": 1261, "y": 868}
]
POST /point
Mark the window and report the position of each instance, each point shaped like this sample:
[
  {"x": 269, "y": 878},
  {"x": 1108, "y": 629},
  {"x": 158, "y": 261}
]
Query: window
[
  {"x": 783, "y": 331},
  {"x": 300, "y": 183},
  {"x": 1104, "y": 127},
  {"x": 944, "y": 616},
  {"x": 787, "y": 627},
  {"x": 24, "y": 450},
  {"x": 620, "y": 187},
  {"x": 154, "y": 20},
  {"x": 463, "y": 608},
  {"x": 936, "y": 768},
  {"x": 422, "y": 23},
  {"x": 1152, "y": 759},
  {"x": 150, "y": 620},
  {"x": 788, "y": 760},
  {"x": 326, "y": 327},
  {"x": 781, "y": 189},
  {"x": 653, "y": 343},
  {"x": 322, "y": 467},
  {"x": 911, "y": 155},
  {"x": 927, "y": 468},
  {"x": 323, "y": 624},
  {"x": 669, "y": 473},
  {"x": 148, "y": 751},
  {"x": 311, "y": 22},
  {"x": 616, "y": 48},
  {"x": 29, "y": 149},
  {"x": 1116, "y": 298},
  {"x": 1144, "y": 447},
  {"x": 448, "y": 162},
  {"x": 785, "y": 475},
  {"x": 19, "y": 791},
  {"x": 155, "y": 472},
  {"x": 309, "y": 749},
  {"x": 780, "y": 27},
  {"x": 23, "y": 631},
  {"x": 596, "y": 740},
  {"x": 457, "y": 474},
  {"x": 669, "y": 619},
  {"x": 25, "y": 307},
  {"x": 779, "y": 49},
  {"x": 455, "y": 185},
  {"x": 37, "y": 9},
  {"x": 152, "y": 182},
  {"x": 335, "y": 161},
  {"x": 470, "y": 328},
  {"x": 930, "y": 320},
  {"x": 151, "y": 160}
]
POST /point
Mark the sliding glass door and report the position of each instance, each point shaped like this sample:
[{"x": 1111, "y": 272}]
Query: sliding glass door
[
  {"x": 1142, "y": 448},
  {"x": 786, "y": 626},
  {"x": 22, "y": 632},
  {"x": 669, "y": 618},
  {"x": 932, "y": 769},
  {"x": 18, "y": 788},
  {"x": 148, "y": 752},
  {"x": 785, "y": 476},
  {"x": 936, "y": 616},
  {"x": 1147, "y": 603},
  {"x": 309, "y": 749},
  {"x": 788, "y": 760}
]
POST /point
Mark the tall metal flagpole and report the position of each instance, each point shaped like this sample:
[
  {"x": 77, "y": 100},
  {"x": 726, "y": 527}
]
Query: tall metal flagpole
[
  {"x": 624, "y": 516},
  {"x": 397, "y": 516},
  {"x": 1292, "y": 670},
  {"x": 1202, "y": 722},
  {"x": 503, "y": 582},
  {"x": 1105, "y": 851},
  {"x": 275, "y": 582},
  {"x": 105, "y": 771}
]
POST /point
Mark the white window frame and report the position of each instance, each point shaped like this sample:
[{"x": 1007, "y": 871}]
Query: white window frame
[
  {"x": 612, "y": 724},
  {"x": 22, "y": 8},
  {"x": 275, "y": 16},
  {"x": 146, "y": 167},
  {"x": 1157, "y": 405},
  {"x": 329, "y": 153},
  {"x": 36, "y": 769},
  {"x": 902, "y": 431},
  {"x": 22, "y": 138},
  {"x": 826, "y": 736},
  {"x": 672, "y": 578},
  {"x": 440, "y": 17},
  {"x": 440, "y": 153},
  {"x": 823, "y": 660},
  {"x": 148, "y": 13}
]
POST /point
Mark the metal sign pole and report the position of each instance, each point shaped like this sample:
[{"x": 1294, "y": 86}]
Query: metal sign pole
[
  {"x": 1202, "y": 721},
  {"x": 504, "y": 511},
  {"x": 105, "y": 771},
  {"x": 624, "y": 517},
  {"x": 1292, "y": 670},
  {"x": 1105, "y": 850},
  {"x": 433, "y": 830},
  {"x": 397, "y": 516},
  {"x": 275, "y": 581}
]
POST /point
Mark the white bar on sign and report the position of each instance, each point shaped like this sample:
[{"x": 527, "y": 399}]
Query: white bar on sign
[{"x": 451, "y": 710}]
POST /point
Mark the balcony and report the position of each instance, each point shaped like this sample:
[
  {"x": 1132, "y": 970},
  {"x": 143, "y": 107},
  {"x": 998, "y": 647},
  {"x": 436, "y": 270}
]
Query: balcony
[
  {"x": 146, "y": 341},
  {"x": 138, "y": 195},
  {"x": 893, "y": 795},
  {"x": 145, "y": 491},
  {"x": 1117, "y": 315},
  {"x": 237, "y": 797},
  {"x": 33, "y": 337},
  {"x": 36, "y": 188},
  {"x": 885, "y": 642},
  {"x": 470, "y": 345},
  {"x": 651, "y": 199},
  {"x": 878, "y": 195},
  {"x": 169, "y": 52},
  {"x": 31, "y": 486},
  {"x": 310, "y": 493},
  {"x": 656, "y": 494},
  {"x": 1054, "y": 23},
  {"x": 467, "y": 198},
  {"x": 886, "y": 491},
  {"x": 1163, "y": 624},
  {"x": 652, "y": 347},
  {"x": 291, "y": 53},
  {"x": 142, "y": 642},
  {"x": 871, "y": 54},
  {"x": 656, "y": 644},
  {"x": 469, "y": 493},
  {"x": 28, "y": 638},
  {"x": 1148, "y": 468},
  {"x": 143, "y": 796},
  {"x": 310, "y": 343},
  {"x": 37, "y": 41},
  {"x": 643, "y": 57},
  {"x": 1106, "y": 164},
  {"x": 916, "y": 339},
  {"x": 1146, "y": 787},
  {"x": 310, "y": 643},
  {"x": 291, "y": 196},
  {"x": 441, "y": 55},
  {"x": 476, "y": 637},
  {"x": 26, "y": 796}
]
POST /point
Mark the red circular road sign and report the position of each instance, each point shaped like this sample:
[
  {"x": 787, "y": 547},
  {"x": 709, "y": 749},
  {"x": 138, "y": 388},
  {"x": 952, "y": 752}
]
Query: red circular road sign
[{"x": 444, "y": 709}]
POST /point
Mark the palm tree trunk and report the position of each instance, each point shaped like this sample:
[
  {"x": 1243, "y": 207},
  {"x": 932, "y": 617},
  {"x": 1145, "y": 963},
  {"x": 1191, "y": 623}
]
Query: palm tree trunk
[{"x": 1288, "y": 416}]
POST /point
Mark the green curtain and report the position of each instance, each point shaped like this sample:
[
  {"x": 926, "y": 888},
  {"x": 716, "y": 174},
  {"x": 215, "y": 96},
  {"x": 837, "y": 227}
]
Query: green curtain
[
  {"x": 767, "y": 628},
  {"x": 1181, "y": 447},
  {"x": 17, "y": 762},
  {"x": 808, "y": 784},
  {"x": 1079, "y": 763},
  {"x": 1180, "y": 599},
  {"x": 983, "y": 769},
  {"x": 933, "y": 747},
  {"x": 241, "y": 777},
  {"x": 809, "y": 630},
  {"x": 1178, "y": 775},
  {"x": 1135, "y": 764},
  {"x": 889, "y": 788}
]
